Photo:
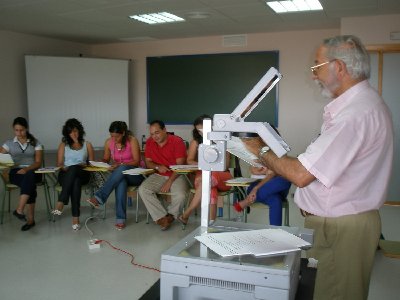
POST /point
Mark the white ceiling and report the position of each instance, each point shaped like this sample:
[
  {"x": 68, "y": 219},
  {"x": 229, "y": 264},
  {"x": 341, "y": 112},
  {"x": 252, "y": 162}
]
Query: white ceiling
[{"x": 105, "y": 21}]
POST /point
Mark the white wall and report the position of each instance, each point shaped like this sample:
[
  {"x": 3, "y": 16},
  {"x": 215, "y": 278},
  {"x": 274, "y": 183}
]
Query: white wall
[
  {"x": 14, "y": 46},
  {"x": 372, "y": 30},
  {"x": 300, "y": 105}
]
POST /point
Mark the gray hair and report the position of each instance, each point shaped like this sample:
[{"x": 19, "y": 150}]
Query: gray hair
[{"x": 350, "y": 50}]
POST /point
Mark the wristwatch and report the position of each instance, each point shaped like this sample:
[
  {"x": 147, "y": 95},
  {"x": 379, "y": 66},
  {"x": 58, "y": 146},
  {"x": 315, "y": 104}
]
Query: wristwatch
[{"x": 263, "y": 150}]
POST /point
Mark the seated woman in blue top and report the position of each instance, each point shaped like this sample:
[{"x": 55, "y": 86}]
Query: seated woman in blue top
[
  {"x": 271, "y": 190},
  {"x": 72, "y": 155},
  {"x": 27, "y": 153},
  {"x": 123, "y": 149}
]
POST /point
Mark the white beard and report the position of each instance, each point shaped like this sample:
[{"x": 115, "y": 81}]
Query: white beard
[
  {"x": 329, "y": 87},
  {"x": 325, "y": 92}
]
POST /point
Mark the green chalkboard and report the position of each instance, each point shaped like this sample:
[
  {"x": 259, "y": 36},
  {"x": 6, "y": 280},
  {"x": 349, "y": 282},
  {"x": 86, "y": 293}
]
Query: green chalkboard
[{"x": 180, "y": 88}]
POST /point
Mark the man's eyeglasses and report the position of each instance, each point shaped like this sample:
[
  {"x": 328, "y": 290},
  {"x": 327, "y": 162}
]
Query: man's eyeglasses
[{"x": 314, "y": 69}]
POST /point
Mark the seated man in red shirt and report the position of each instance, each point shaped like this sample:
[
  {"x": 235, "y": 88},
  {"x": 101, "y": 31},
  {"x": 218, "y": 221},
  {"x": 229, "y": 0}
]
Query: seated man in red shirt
[{"x": 162, "y": 151}]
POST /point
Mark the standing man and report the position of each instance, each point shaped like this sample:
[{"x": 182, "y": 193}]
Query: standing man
[
  {"x": 162, "y": 151},
  {"x": 343, "y": 176}
]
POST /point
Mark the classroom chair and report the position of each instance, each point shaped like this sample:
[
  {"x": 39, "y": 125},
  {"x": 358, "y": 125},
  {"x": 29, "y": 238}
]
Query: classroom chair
[
  {"x": 226, "y": 195},
  {"x": 7, "y": 189},
  {"x": 285, "y": 207},
  {"x": 134, "y": 189}
]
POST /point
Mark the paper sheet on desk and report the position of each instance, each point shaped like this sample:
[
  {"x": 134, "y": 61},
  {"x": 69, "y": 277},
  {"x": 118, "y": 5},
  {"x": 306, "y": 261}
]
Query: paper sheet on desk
[
  {"x": 236, "y": 147},
  {"x": 184, "y": 167},
  {"x": 137, "y": 171},
  {"x": 256, "y": 242},
  {"x": 241, "y": 180},
  {"x": 47, "y": 169},
  {"x": 6, "y": 159},
  {"x": 99, "y": 164}
]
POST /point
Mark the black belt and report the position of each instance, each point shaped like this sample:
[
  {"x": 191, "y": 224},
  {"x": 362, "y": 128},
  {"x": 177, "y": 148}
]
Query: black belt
[{"x": 305, "y": 213}]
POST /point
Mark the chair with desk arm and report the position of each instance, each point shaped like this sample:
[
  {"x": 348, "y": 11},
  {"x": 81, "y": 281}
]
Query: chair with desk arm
[
  {"x": 134, "y": 189},
  {"x": 234, "y": 169},
  {"x": 242, "y": 192},
  {"x": 8, "y": 187}
]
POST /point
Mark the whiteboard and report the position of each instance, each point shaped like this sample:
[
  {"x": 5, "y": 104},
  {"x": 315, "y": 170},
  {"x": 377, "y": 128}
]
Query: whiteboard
[{"x": 93, "y": 90}]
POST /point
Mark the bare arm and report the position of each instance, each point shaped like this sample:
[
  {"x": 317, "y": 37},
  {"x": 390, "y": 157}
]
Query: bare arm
[
  {"x": 192, "y": 153},
  {"x": 2, "y": 150},
  {"x": 60, "y": 155},
  {"x": 152, "y": 165},
  {"x": 90, "y": 151},
  {"x": 107, "y": 153}
]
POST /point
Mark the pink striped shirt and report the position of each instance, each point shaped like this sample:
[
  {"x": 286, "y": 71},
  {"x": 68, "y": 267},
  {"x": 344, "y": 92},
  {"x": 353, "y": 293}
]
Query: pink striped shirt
[{"x": 352, "y": 158}]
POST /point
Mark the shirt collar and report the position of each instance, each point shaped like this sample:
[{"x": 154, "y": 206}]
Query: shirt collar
[
  {"x": 16, "y": 141},
  {"x": 337, "y": 104}
]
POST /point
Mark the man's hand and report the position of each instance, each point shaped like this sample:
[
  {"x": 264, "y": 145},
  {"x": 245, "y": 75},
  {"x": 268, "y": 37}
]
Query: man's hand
[
  {"x": 166, "y": 187},
  {"x": 162, "y": 169},
  {"x": 254, "y": 144}
]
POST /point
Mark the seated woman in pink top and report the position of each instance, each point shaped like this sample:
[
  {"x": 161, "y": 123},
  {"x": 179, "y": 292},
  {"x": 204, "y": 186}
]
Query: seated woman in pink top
[
  {"x": 122, "y": 149},
  {"x": 218, "y": 178}
]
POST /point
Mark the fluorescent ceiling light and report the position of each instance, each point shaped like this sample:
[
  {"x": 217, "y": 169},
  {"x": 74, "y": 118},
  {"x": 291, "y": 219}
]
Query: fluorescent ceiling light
[
  {"x": 294, "y": 5},
  {"x": 157, "y": 18}
]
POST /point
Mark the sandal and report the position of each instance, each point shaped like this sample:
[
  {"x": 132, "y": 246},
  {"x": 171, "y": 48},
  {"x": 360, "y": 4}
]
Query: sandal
[
  {"x": 237, "y": 207},
  {"x": 56, "y": 212},
  {"x": 183, "y": 220},
  {"x": 120, "y": 226},
  {"x": 93, "y": 202}
]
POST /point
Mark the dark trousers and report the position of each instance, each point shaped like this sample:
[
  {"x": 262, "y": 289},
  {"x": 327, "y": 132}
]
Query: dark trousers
[
  {"x": 71, "y": 182},
  {"x": 26, "y": 182}
]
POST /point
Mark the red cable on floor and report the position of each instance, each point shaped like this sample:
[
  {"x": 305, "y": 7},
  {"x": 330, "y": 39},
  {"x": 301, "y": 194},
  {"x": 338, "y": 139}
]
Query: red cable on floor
[{"x": 127, "y": 253}]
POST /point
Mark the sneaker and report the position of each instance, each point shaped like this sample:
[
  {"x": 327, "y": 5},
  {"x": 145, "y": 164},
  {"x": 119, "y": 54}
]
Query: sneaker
[
  {"x": 19, "y": 216},
  {"x": 120, "y": 226}
]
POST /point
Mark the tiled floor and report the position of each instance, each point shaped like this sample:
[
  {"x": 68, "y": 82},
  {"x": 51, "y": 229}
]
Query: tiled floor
[{"x": 52, "y": 262}]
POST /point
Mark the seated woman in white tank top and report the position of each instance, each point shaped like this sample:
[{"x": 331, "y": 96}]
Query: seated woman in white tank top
[{"x": 72, "y": 155}]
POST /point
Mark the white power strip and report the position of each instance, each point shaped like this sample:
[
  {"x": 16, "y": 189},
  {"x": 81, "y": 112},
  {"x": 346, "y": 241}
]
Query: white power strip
[{"x": 92, "y": 244}]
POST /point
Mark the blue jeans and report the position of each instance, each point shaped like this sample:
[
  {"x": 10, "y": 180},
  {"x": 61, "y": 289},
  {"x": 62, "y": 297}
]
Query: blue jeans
[
  {"x": 272, "y": 193},
  {"x": 119, "y": 182}
]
